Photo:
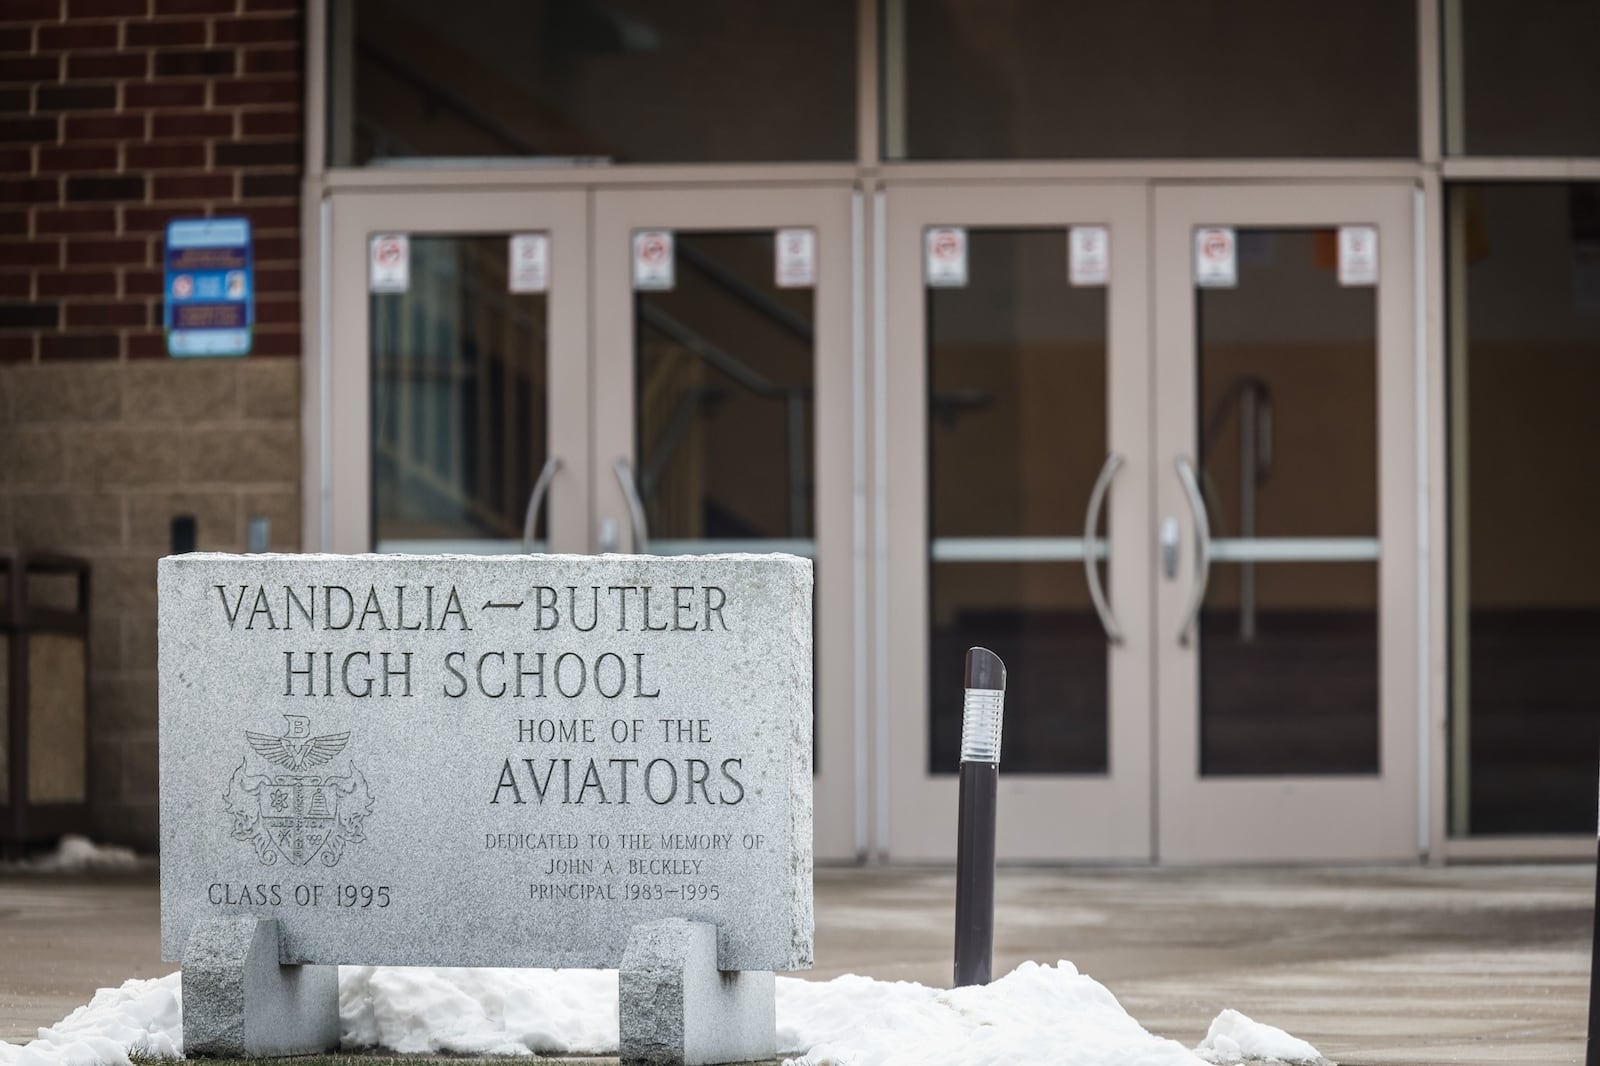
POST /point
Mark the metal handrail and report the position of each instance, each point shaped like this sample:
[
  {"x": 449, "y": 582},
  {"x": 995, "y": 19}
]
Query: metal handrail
[
  {"x": 443, "y": 98},
  {"x": 718, "y": 357},
  {"x": 793, "y": 397},
  {"x": 689, "y": 405},
  {"x": 726, "y": 279},
  {"x": 1252, "y": 397}
]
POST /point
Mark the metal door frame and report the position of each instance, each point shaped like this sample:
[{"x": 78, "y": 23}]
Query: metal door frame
[
  {"x": 1044, "y": 818},
  {"x": 838, "y": 786},
  {"x": 346, "y": 410},
  {"x": 1289, "y": 819}
]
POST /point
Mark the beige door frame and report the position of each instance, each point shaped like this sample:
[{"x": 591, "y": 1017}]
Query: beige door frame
[
  {"x": 1288, "y": 819},
  {"x": 347, "y": 485},
  {"x": 828, "y": 209},
  {"x": 1043, "y": 818}
]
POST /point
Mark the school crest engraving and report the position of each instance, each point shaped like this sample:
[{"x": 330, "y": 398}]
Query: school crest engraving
[{"x": 287, "y": 807}]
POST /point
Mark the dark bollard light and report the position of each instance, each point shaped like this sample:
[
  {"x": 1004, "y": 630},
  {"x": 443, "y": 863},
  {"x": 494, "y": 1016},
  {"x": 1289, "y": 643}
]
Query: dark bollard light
[{"x": 982, "y": 711}]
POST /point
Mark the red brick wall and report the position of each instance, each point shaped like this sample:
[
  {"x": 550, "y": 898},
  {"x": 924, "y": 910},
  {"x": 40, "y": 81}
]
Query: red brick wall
[{"x": 118, "y": 115}]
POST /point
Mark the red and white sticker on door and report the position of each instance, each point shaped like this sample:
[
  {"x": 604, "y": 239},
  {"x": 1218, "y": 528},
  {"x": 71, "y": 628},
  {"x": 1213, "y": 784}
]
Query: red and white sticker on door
[
  {"x": 389, "y": 262},
  {"x": 1216, "y": 257},
  {"x": 1089, "y": 255},
  {"x": 945, "y": 257},
  {"x": 653, "y": 260},
  {"x": 1358, "y": 255},
  {"x": 797, "y": 258},
  {"x": 529, "y": 266}
]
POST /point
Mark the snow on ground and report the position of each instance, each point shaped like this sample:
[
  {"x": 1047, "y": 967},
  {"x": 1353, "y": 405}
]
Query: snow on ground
[
  {"x": 1235, "y": 1038},
  {"x": 1035, "y": 1014},
  {"x": 478, "y": 1012},
  {"x": 142, "y": 1014},
  {"x": 76, "y": 854}
]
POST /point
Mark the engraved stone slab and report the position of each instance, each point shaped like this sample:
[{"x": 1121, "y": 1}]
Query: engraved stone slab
[{"x": 487, "y": 761}]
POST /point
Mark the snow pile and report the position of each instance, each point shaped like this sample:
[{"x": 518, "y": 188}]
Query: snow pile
[
  {"x": 76, "y": 854},
  {"x": 141, "y": 1014},
  {"x": 1235, "y": 1038},
  {"x": 1035, "y": 1014},
  {"x": 478, "y": 1012}
]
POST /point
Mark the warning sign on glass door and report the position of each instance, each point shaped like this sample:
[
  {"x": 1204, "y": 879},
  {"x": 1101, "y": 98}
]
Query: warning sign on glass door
[
  {"x": 1216, "y": 257},
  {"x": 945, "y": 256},
  {"x": 797, "y": 258},
  {"x": 1358, "y": 255},
  {"x": 530, "y": 262},
  {"x": 652, "y": 260},
  {"x": 389, "y": 263},
  {"x": 1089, "y": 255}
]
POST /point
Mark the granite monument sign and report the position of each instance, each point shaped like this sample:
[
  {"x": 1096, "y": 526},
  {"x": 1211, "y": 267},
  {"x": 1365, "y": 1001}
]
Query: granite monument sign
[{"x": 485, "y": 761}]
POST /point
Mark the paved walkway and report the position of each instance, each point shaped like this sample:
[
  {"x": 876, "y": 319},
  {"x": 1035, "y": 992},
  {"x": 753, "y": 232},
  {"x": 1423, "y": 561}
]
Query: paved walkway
[{"x": 1464, "y": 965}]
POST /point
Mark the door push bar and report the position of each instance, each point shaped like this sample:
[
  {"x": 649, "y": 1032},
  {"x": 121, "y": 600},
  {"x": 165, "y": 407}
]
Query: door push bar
[
  {"x": 630, "y": 492},
  {"x": 1202, "y": 554},
  {"x": 541, "y": 489},
  {"x": 1091, "y": 567}
]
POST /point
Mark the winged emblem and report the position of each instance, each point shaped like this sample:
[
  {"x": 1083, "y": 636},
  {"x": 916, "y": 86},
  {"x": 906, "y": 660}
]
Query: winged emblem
[
  {"x": 295, "y": 815},
  {"x": 297, "y": 749}
]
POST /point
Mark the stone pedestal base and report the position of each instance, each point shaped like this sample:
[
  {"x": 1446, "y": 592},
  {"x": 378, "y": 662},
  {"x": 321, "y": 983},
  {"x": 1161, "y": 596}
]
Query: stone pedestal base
[
  {"x": 676, "y": 1007},
  {"x": 239, "y": 1002}
]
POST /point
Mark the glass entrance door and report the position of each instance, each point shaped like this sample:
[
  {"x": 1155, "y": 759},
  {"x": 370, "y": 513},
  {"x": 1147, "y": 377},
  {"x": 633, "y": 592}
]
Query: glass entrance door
[
  {"x": 723, "y": 413},
  {"x": 1155, "y": 447},
  {"x": 490, "y": 393},
  {"x": 1285, "y": 487},
  {"x": 457, "y": 412},
  {"x": 1195, "y": 548},
  {"x": 1018, "y": 461}
]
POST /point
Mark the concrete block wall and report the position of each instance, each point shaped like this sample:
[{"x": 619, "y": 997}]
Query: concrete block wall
[{"x": 116, "y": 116}]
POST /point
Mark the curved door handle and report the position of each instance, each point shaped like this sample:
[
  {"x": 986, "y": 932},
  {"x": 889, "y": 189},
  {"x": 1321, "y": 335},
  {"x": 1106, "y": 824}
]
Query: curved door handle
[
  {"x": 630, "y": 492},
  {"x": 1091, "y": 566},
  {"x": 1202, "y": 551},
  {"x": 541, "y": 488}
]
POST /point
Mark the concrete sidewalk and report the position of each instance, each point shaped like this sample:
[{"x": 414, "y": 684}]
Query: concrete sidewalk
[{"x": 1405, "y": 965}]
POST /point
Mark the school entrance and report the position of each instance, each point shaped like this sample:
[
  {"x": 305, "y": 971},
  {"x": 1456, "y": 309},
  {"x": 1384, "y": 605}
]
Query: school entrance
[{"x": 1153, "y": 443}]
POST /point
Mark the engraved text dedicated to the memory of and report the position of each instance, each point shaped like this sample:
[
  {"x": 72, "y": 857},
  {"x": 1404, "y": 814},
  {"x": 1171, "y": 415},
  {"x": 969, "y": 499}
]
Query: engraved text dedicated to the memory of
[{"x": 488, "y": 761}]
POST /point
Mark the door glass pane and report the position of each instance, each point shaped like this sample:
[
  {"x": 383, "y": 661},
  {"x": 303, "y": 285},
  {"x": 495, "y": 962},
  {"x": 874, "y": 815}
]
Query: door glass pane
[
  {"x": 1139, "y": 79},
  {"x": 1016, "y": 437},
  {"x": 625, "y": 81},
  {"x": 1528, "y": 79},
  {"x": 458, "y": 400},
  {"x": 1287, "y": 415},
  {"x": 724, "y": 413},
  {"x": 1525, "y": 590},
  {"x": 723, "y": 400}
]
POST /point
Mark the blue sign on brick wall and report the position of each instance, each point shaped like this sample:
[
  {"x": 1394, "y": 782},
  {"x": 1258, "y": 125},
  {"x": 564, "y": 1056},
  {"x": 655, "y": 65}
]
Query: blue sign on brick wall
[{"x": 211, "y": 287}]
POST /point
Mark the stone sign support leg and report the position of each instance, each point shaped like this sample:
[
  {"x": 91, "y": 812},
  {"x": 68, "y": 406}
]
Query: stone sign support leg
[
  {"x": 240, "y": 1002},
  {"x": 676, "y": 1007}
]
